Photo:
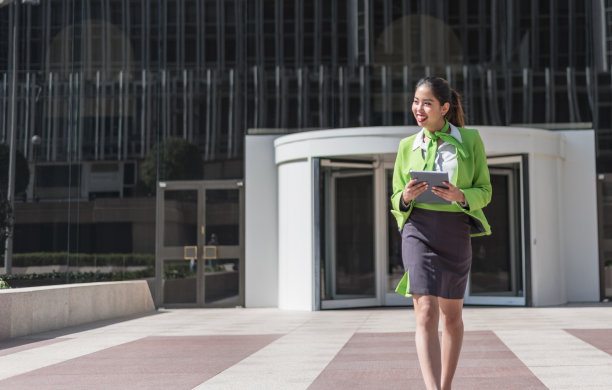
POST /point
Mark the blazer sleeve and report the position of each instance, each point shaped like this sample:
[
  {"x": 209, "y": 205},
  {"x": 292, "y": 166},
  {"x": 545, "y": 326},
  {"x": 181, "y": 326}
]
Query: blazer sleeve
[
  {"x": 479, "y": 195},
  {"x": 399, "y": 181}
]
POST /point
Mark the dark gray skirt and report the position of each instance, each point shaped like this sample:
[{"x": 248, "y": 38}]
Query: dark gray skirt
[{"x": 437, "y": 253}]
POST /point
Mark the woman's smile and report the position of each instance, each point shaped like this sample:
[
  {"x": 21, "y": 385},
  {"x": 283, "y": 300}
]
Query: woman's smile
[
  {"x": 427, "y": 110},
  {"x": 421, "y": 118}
]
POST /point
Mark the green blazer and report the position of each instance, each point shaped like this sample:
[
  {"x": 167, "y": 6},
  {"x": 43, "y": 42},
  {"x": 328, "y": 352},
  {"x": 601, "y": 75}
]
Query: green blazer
[{"x": 471, "y": 177}]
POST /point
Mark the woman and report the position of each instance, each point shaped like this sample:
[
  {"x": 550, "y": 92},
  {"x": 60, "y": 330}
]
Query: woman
[{"x": 436, "y": 245}]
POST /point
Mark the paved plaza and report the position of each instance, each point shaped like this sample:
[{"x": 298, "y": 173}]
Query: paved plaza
[{"x": 568, "y": 347}]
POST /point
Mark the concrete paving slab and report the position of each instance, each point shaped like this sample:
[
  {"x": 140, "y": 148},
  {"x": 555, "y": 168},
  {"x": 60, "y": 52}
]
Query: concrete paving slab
[
  {"x": 164, "y": 362},
  {"x": 505, "y": 348}
]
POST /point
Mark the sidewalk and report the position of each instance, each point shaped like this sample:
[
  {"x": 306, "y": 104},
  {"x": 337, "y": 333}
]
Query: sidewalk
[{"x": 567, "y": 347}]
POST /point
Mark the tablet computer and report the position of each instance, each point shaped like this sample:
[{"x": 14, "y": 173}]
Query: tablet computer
[{"x": 434, "y": 179}]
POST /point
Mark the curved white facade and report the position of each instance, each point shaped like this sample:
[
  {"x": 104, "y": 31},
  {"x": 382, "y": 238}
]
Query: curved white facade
[{"x": 562, "y": 225}]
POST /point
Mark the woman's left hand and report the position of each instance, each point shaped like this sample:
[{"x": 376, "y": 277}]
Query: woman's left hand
[{"x": 452, "y": 193}]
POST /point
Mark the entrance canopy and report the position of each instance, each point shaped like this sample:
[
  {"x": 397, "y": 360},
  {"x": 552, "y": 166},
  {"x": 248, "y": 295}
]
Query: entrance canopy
[{"x": 317, "y": 219}]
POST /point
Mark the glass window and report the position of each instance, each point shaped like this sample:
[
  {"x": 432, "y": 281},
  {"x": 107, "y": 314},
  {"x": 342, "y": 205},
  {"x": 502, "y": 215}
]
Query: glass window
[
  {"x": 348, "y": 270},
  {"x": 131, "y": 74}
]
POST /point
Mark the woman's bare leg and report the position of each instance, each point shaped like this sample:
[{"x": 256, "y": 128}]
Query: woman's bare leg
[
  {"x": 427, "y": 339},
  {"x": 452, "y": 337}
]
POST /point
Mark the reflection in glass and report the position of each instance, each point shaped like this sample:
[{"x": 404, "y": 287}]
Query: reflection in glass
[
  {"x": 222, "y": 217},
  {"x": 221, "y": 282},
  {"x": 181, "y": 217},
  {"x": 222, "y": 276},
  {"x": 103, "y": 82},
  {"x": 354, "y": 236},
  {"x": 496, "y": 259},
  {"x": 180, "y": 281}
]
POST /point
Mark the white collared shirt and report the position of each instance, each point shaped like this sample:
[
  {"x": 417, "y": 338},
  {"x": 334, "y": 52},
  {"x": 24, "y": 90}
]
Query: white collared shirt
[{"x": 446, "y": 155}]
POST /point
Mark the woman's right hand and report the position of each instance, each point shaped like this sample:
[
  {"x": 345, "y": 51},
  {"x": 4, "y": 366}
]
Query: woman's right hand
[{"x": 413, "y": 190}]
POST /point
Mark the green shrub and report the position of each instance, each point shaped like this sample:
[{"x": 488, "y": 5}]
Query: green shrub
[
  {"x": 50, "y": 278},
  {"x": 37, "y": 259},
  {"x": 3, "y": 284}
]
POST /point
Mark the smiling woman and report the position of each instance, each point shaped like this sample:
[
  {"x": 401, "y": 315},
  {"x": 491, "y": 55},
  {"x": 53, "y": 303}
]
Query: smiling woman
[
  {"x": 436, "y": 244},
  {"x": 434, "y": 90}
]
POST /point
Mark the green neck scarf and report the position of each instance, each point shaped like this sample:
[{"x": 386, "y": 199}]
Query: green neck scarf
[{"x": 432, "y": 146}]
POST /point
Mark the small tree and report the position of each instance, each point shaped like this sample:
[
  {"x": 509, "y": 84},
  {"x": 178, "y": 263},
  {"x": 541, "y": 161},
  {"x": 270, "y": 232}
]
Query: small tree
[{"x": 178, "y": 160}]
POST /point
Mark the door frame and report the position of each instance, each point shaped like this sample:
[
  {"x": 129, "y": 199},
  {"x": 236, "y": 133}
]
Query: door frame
[
  {"x": 393, "y": 299},
  {"x": 164, "y": 253},
  {"x": 369, "y": 169},
  {"x": 523, "y": 222},
  {"x": 379, "y": 166}
]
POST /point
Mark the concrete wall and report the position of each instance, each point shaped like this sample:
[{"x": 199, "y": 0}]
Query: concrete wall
[
  {"x": 39, "y": 309},
  {"x": 261, "y": 222},
  {"x": 579, "y": 212},
  {"x": 295, "y": 236},
  {"x": 547, "y": 263}
]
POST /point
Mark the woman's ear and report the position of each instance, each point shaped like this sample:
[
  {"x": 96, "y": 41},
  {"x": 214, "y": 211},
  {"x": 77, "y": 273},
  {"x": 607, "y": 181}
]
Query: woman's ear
[{"x": 445, "y": 108}]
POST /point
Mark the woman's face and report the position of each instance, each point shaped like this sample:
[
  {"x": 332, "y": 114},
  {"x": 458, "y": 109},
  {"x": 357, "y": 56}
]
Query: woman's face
[{"x": 427, "y": 109}]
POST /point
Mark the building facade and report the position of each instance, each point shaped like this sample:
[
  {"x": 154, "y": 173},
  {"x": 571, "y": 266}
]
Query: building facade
[
  {"x": 323, "y": 236},
  {"x": 134, "y": 101}
]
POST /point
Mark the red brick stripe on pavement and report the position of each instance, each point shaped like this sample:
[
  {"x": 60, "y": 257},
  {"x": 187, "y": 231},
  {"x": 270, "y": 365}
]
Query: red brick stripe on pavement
[
  {"x": 11, "y": 346},
  {"x": 389, "y": 361},
  {"x": 150, "y": 363},
  {"x": 599, "y": 338}
]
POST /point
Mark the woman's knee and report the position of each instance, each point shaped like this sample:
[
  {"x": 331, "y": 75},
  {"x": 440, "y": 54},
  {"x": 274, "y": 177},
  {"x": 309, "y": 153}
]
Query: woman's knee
[
  {"x": 452, "y": 322},
  {"x": 427, "y": 311},
  {"x": 451, "y": 315}
]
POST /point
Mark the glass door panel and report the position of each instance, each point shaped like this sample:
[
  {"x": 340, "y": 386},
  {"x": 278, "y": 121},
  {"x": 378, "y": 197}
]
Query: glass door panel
[
  {"x": 180, "y": 282},
  {"x": 222, "y": 221},
  {"x": 605, "y": 233},
  {"x": 496, "y": 276},
  {"x": 494, "y": 256},
  {"x": 199, "y": 222},
  {"x": 349, "y": 258},
  {"x": 222, "y": 217},
  {"x": 180, "y": 218},
  {"x": 354, "y": 244}
]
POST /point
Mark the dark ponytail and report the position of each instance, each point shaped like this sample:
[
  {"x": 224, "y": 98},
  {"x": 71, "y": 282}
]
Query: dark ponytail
[
  {"x": 455, "y": 113},
  {"x": 445, "y": 94}
]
